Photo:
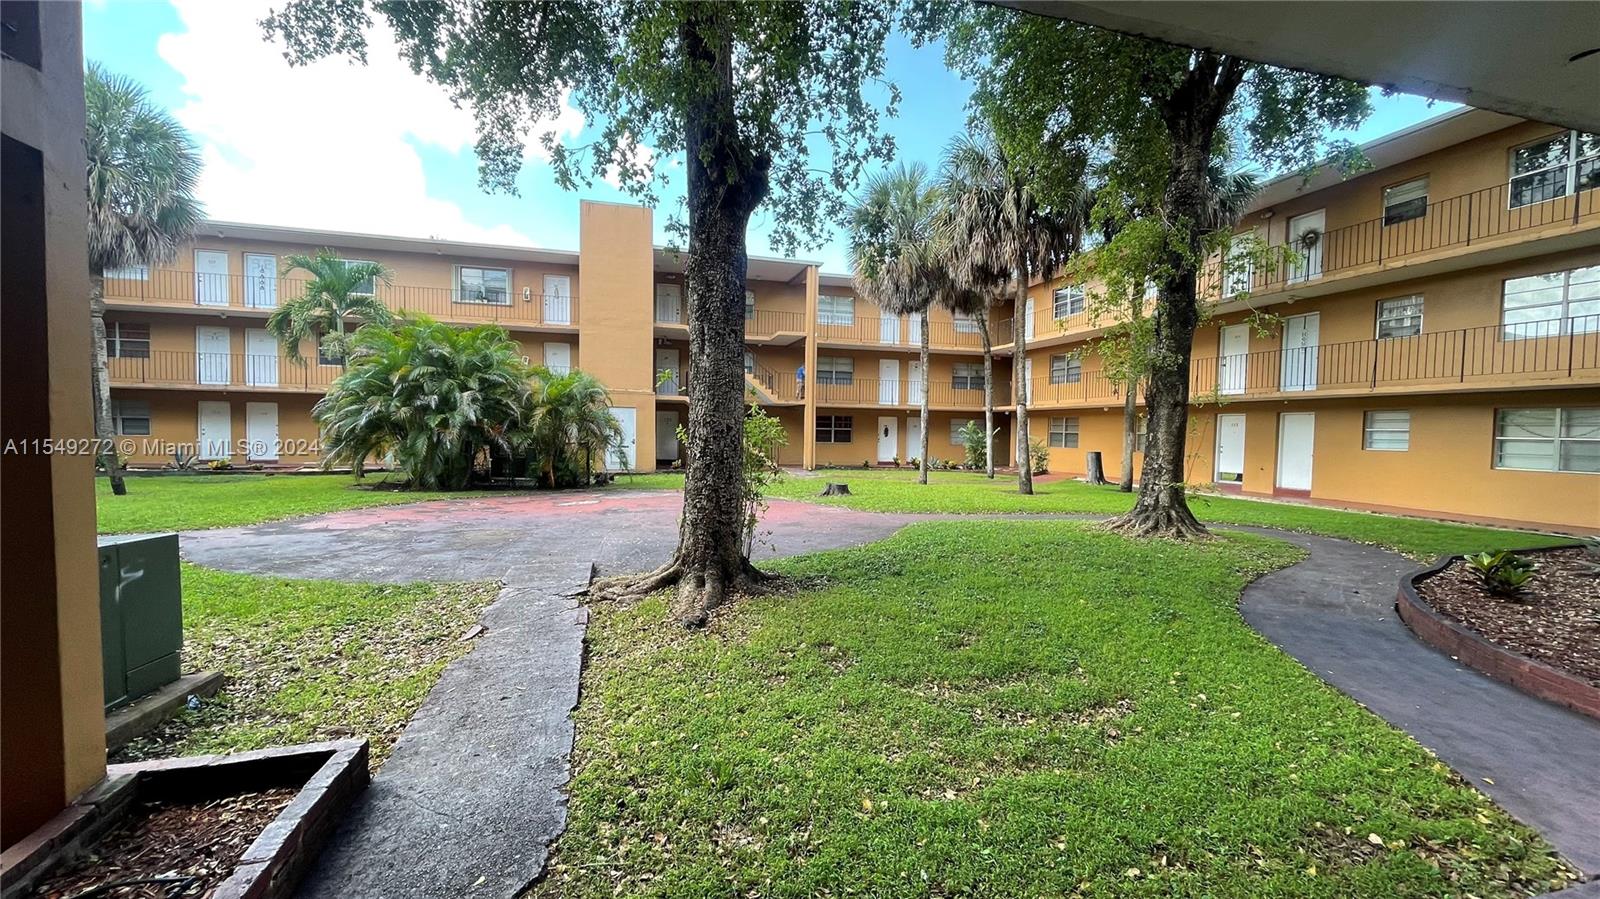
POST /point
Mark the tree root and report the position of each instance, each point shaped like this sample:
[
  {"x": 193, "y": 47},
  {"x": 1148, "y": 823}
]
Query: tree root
[
  {"x": 700, "y": 591},
  {"x": 1172, "y": 524}
]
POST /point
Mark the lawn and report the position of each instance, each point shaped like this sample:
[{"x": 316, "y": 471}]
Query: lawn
[
  {"x": 974, "y": 708},
  {"x": 311, "y": 660},
  {"x": 172, "y": 503}
]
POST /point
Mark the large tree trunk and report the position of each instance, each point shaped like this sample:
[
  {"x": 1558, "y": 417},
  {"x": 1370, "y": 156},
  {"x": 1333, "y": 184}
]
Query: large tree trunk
[
  {"x": 100, "y": 382},
  {"x": 988, "y": 393},
  {"x": 1130, "y": 433},
  {"x": 927, "y": 382},
  {"x": 726, "y": 183},
  {"x": 1019, "y": 369}
]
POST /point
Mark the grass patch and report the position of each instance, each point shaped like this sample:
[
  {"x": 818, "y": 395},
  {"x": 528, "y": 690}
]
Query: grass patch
[
  {"x": 311, "y": 660},
  {"x": 973, "y": 708}
]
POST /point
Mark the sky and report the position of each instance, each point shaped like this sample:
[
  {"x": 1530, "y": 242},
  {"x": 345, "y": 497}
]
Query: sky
[{"x": 376, "y": 149}]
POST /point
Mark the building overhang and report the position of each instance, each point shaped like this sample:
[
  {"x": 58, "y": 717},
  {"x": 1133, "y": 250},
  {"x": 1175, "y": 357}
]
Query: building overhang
[{"x": 352, "y": 240}]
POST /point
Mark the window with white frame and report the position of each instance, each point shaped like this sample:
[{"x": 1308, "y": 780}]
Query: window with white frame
[
  {"x": 1065, "y": 369},
  {"x": 749, "y": 363},
  {"x": 749, "y": 305},
  {"x": 835, "y": 428},
  {"x": 1554, "y": 166},
  {"x": 1562, "y": 439},
  {"x": 966, "y": 376},
  {"x": 1400, "y": 317},
  {"x": 836, "y": 370},
  {"x": 366, "y": 288},
  {"x": 127, "y": 340},
  {"x": 966, "y": 324},
  {"x": 1551, "y": 304},
  {"x": 131, "y": 418},
  {"x": 1069, "y": 300},
  {"x": 833, "y": 310},
  {"x": 957, "y": 425},
  {"x": 1405, "y": 201},
  {"x": 1064, "y": 432},
  {"x": 483, "y": 285},
  {"x": 1141, "y": 434},
  {"x": 1388, "y": 430},
  {"x": 129, "y": 273}
]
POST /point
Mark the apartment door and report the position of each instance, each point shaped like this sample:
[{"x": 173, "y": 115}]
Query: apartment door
[
  {"x": 211, "y": 277},
  {"x": 913, "y": 436},
  {"x": 888, "y": 438},
  {"x": 1296, "y": 439},
  {"x": 667, "y": 361},
  {"x": 1027, "y": 380},
  {"x": 889, "y": 328},
  {"x": 1306, "y": 236},
  {"x": 628, "y": 417},
  {"x": 888, "y": 382},
  {"x": 260, "y": 281},
  {"x": 1230, "y": 449},
  {"x": 558, "y": 357},
  {"x": 261, "y": 431},
  {"x": 1300, "y": 334},
  {"x": 557, "y": 300},
  {"x": 211, "y": 348},
  {"x": 914, "y": 330},
  {"x": 914, "y": 381},
  {"x": 1232, "y": 356},
  {"x": 216, "y": 429},
  {"x": 260, "y": 358},
  {"x": 669, "y": 303},
  {"x": 1027, "y": 319},
  {"x": 666, "y": 436}
]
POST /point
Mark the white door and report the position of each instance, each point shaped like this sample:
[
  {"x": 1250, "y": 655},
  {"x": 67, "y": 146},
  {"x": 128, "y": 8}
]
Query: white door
[
  {"x": 1230, "y": 449},
  {"x": 914, "y": 330},
  {"x": 557, "y": 300},
  {"x": 558, "y": 357},
  {"x": 888, "y": 382},
  {"x": 260, "y": 358},
  {"x": 211, "y": 354},
  {"x": 261, "y": 431},
  {"x": 1231, "y": 360},
  {"x": 888, "y": 439},
  {"x": 260, "y": 281},
  {"x": 628, "y": 417},
  {"x": 914, "y": 381},
  {"x": 889, "y": 328},
  {"x": 1027, "y": 320},
  {"x": 1296, "y": 437},
  {"x": 211, "y": 277},
  {"x": 669, "y": 303},
  {"x": 914, "y": 437},
  {"x": 216, "y": 429},
  {"x": 1027, "y": 380},
  {"x": 667, "y": 436},
  {"x": 1300, "y": 334},
  {"x": 667, "y": 361},
  {"x": 1307, "y": 250}
]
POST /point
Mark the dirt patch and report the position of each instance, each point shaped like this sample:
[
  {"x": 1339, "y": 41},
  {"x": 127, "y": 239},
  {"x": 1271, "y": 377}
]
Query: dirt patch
[
  {"x": 1557, "y": 622},
  {"x": 163, "y": 850}
]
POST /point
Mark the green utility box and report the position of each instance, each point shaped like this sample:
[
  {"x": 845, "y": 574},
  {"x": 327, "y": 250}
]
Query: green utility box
[{"x": 141, "y": 614}]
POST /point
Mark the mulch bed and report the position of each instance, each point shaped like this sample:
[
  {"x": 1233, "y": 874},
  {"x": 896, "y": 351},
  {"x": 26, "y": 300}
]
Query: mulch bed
[
  {"x": 178, "y": 849},
  {"x": 1557, "y": 621}
]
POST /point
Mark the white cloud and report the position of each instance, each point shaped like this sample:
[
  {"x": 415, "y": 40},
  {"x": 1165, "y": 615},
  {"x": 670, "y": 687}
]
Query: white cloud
[{"x": 326, "y": 145}]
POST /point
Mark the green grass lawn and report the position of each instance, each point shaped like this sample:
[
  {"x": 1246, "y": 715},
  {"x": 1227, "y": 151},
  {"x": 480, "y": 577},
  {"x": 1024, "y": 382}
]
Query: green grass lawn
[
  {"x": 173, "y": 503},
  {"x": 974, "y": 708},
  {"x": 311, "y": 660}
]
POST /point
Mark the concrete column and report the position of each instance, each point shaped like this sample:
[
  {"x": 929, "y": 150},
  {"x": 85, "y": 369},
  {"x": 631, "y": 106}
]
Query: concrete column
[
  {"x": 616, "y": 314},
  {"x": 809, "y": 428}
]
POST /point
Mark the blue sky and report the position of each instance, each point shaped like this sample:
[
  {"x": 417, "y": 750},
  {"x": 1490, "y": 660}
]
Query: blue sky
[{"x": 380, "y": 150}]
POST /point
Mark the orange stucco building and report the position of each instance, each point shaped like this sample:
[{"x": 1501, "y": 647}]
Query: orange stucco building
[{"x": 1438, "y": 344}]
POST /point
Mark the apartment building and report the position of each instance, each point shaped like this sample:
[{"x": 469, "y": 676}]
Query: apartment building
[{"x": 1438, "y": 347}]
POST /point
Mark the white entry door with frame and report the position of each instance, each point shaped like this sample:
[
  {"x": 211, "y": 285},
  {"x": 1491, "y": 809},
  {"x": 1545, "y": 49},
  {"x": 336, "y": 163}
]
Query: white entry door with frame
[
  {"x": 261, "y": 431},
  {"x": 888, "y": 438},
  {"x": 558, "y": 357},
  {"x": 667, "y": 364},
  {"x": 628, "y": 418},
  {"x": 215, "y": 437},
  {"x": 669, "y": 303},
  {"x": 1297, "y": 437},
  {"x": 1307, "y": 233},
  {"x": 1233, "y": 357},
  {"x": 260, "y": 358},
  {"x": 212, "y": 358},
  {"x": 1230, "y": 449},
  {"x": 210, "y": 277},
  {"x": 889, "y": 328},
  {"x": 914, "y": 382},
  {"x": 913, "y": 437},
  {"x": 1300, "y": 335},
  {"x": 1027, "y": 319},
  {"x": 667, "y": 436},
  {"x": 888, "y": 382},
  {"x": 260, "y": 281},
  {"x": 557, "y": 299}
]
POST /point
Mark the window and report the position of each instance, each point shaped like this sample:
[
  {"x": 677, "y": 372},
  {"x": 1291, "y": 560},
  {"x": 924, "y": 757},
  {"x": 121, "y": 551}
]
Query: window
[
  {"x": 1551, "y": 304},
  {"x": 1548, "y": 439},
  {"x": 129, "y": 273},
  {"x": 836, "y": 370},
  {"x": 1068, "y": 300},
  {"x": 131, "y": 417},
  {"x": 1400, "y": 317},
  {"x": 834, "y": 428},
  {"x": 957, "y": 425},
  {"x": 365, "y": 288},
  {"x": 749, "y": 363},
  {"x": 966, "y": 376},
  {"x": 966, "y": 324},
  {"x": 1389, "y": 431},
  {"x": 483, "y": 285},
  {"x": 1404, "y": 202},
  {"x": 1141, "y": 434},
  {"x": 1064, "y": 432},
  {"x": 126, "y": 340},
  {"x": 1066, "y": 369},
  {"x": 836, "y": 310},
  {"x": 1554, "y": 167},
  {"x": 749, "y": 305}
]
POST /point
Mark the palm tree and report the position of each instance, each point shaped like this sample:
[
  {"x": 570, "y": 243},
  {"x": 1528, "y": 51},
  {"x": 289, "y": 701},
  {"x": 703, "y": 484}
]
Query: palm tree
[
  {"x": 956, "y": 295},
  {"x": 995, "y": 215},
  {"x": 570, "y": 417},
  {"x": 333, "y": 294},
  {"x": 142, "y": 173},
  {"x": 894, "y": 257},
  {"x": 438, "y": 397}
]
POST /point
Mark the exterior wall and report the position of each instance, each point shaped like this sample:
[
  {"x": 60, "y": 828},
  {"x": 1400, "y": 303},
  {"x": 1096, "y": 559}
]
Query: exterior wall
[{"x": 616, "y": 326}]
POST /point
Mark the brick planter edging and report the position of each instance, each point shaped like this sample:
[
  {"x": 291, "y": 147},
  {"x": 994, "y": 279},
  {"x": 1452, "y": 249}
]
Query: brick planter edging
[{"x": 1461, "y": 642}]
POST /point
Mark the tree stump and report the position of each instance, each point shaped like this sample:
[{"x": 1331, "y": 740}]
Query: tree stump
[
  {"x": 1096, "y": 471},
  {"x": 835, "y": 490}
]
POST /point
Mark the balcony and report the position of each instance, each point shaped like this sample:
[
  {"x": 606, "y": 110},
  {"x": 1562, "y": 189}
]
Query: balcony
[
  {"x": 773, "y": 388},
  {"x": 221, "y": 371},
  {"x": 901, "y": 332},
  {"x": 213, "y": 292},
  {"x": 905, "y": 393},
  {"x": 775, "y": 327}
]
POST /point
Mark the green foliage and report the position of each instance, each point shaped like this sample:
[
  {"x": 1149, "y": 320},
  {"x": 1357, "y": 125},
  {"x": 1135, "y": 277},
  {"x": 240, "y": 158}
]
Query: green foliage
[
  {"x": 1503, "y": 573},
  {"x": 570, "y": 427},
  {"x": 332, "y": 296},
  {"x": 1039, "y": 456},
  {"x": 972, "y": 443},
  {"x": 894, "y": 253},
  {"x": 763, "y": 436},
  {"x": 1590, "y": 566}
]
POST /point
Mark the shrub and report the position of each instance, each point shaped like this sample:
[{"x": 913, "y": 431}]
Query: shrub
[
  {"x": 1503, "y": 573},
  {"x": 971, "y": 437},
  {"x": 1039, "y": 455}
]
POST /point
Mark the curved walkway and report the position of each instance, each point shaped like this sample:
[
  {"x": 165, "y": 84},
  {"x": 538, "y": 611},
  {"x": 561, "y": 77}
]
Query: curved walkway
[{"x": 474, "y": 786}]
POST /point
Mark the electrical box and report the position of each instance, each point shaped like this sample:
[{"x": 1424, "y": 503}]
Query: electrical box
[{"x": 141, "y": 614}]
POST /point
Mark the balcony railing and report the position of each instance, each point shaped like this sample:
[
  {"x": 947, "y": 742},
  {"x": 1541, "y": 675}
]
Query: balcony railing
[
  {"x": 903, "y": 331},
  {"x": 781, "y": 386},
  {"x": 903, "y": 392},
  {"x": 213, "y": 291},
  {"x": 175, "y": 368}
]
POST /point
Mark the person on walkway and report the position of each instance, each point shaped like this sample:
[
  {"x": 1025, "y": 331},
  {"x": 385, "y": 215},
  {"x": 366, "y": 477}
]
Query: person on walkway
[{"x": 800, "y": 382}]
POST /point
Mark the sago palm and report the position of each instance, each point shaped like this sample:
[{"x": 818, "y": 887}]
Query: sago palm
[
  {"x": 332, "y": 295},
  {"x": 570, "y": 419},
  {"x": 142, "y": 172}
]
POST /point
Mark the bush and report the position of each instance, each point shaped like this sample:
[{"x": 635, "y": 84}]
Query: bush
[
  {"x": 1503, "y": 573},
  {"x": 1039, "y": 455},
  {"x": 971, "y": 437}
]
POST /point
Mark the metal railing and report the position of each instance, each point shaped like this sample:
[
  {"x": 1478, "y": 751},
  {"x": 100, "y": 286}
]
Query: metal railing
[
  {"x": 904, "y": 331},
  {"x": 781, "y": 386},
  {"x": 903, "y": 392},
  {"x": 176, "y": 368}
]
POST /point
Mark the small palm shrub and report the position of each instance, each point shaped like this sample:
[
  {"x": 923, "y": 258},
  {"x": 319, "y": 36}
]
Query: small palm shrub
[
  {"x": 1503, "y": 573},
  {"x": 1039, "y": 457},
  {"x": 571, "y": 430},
  {"x": 971, "y": 436}
]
